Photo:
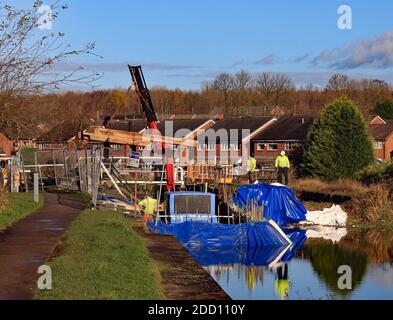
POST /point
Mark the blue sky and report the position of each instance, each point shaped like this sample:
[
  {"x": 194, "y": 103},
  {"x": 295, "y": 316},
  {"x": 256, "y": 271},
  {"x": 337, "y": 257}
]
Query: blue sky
[{"x": 182, "y": 43}]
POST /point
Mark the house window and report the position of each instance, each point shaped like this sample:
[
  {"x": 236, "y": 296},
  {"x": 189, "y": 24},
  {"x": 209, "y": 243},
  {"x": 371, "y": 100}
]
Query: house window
[
  {"x": 260, "y": 146},
  {"x": 290, "y": 145},
  {"x": 272, "y": 146},
  {"x": 378, "y": 145},
  {"x": 116, "y": 147},
  {"x": 211, "y": 147},
  {"x": 235, "y": 146},
  {"x": 225, "y": 146},
  {"x": 200, "y": 147}
]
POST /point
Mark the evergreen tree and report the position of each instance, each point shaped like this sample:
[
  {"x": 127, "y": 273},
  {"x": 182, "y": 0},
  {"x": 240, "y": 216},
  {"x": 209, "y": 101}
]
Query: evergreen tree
[
  {"x": 338, "y": 144},
  {"x": 384, "y": 109}
]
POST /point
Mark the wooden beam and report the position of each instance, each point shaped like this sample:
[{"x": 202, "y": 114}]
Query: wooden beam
[{"x": 133, "y": 138}]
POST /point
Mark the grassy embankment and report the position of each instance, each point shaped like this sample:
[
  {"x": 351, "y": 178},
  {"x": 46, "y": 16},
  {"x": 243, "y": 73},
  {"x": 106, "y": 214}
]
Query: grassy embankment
[
  {"x": 367, "y": 205},
  {"x": 103, "y": 258},
  {"x": 15, "y": 206}
]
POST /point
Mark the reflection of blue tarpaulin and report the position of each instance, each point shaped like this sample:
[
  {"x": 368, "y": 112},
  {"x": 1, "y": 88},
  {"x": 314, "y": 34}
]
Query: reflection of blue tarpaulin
[
  {"x": 280, "y": 204},
  {"x": 298, "y": 238},
  {"x": 212, "y": 235}
]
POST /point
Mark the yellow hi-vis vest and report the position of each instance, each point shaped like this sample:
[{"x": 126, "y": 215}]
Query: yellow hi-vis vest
[
  {"x": 149, "y": 205},
  {"x": 282, "y": 162},
  {"x": 251, "y": 165}
]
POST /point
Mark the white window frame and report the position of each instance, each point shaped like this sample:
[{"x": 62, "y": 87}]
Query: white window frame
[
  {"x": 200, "y": 147},
  {"x": 234, "y": 146},
  {"x": 116, "y": 146},
  {"x": 210, "y": 146},
  {"x": 271, "y": 143},
  {"x": 290, "y": 145},
  {"x": 259, "y": 146},
  {"x": 225, "y": 146},
  {"x": 378, "y": 145}
]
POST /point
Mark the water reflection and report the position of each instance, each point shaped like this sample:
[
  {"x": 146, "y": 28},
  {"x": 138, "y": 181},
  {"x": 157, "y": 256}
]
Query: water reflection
[{"x": 307, "y": 270}]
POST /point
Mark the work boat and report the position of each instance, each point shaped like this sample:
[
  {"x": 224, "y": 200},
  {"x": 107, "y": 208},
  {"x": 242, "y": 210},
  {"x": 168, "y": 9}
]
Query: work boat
[{"x": 192, "y": 218}]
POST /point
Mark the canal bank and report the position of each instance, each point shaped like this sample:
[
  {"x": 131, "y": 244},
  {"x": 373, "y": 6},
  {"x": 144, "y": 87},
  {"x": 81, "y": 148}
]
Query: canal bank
[{"x": 182, "y": 278}]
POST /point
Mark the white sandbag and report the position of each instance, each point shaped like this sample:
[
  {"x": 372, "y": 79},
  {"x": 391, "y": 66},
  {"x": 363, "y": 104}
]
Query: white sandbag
[
  {"x": 334, "y": 216},
  {"x": 328, "y": 233},
  {"x": 276, "y": 184}
]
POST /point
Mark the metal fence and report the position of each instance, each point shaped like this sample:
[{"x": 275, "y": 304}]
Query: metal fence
[{"x": 71, "y": 169}]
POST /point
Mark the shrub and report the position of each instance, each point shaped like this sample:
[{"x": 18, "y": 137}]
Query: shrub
[
  {"x": 338, "y": 144},
  {"x": 376, "y": 173},
  {"x": 3, "y": 198},
  {"x": 384, "y": 109}
]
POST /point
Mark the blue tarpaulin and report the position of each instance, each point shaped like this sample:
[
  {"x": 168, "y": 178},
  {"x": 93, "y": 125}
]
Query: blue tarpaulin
[
  {"x": 213, "y": 235},
  {"x": 280, "y": 203},
  {"x": 248, "y": 244}
]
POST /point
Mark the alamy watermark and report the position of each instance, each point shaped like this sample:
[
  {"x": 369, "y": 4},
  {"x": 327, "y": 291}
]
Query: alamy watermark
[
  {"x": 44, "y": 282},
  {"x": 344, "y": 21},
  {"x": 344, "y": 281}
]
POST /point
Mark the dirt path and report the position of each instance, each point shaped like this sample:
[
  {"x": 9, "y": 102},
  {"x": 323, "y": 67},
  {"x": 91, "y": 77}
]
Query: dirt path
[
  {"x": 184, "y": 279},
  {"x": 29, "y": 243}
]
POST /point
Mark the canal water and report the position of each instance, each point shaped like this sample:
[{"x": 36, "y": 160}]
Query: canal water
[{"x": 310, "y": 270}]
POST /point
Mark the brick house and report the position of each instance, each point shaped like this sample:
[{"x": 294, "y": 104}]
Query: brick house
[
  {"x": 13, "y": 139},
  {"x": 61, "y": 136},
  {"x": 382, "y": 132},
  {"x": 180, "y": 128},
  {"x": 221, "y": 145},
  {"x": 288, "y": 133}
]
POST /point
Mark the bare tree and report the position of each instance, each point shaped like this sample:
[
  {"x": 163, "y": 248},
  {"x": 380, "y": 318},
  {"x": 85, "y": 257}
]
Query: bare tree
[
  {"x": 273, "y": 85},
  {"x": 338, "y": 82},
  {"x": 224, "y": 82},
  {"x": 243, "y": 80},
  {"x": 282, "y": 83},
  {"x": 264, "y": 83},
  {"x": 28, "y": 55}
]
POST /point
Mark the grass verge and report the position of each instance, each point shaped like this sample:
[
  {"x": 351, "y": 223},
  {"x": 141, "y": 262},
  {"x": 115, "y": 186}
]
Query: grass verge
[
  {"x": 103, "y": 258},
  {"x": 19, "y": 205}
]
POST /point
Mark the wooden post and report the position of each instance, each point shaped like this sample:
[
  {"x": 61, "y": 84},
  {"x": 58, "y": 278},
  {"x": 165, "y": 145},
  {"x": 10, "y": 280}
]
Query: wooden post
[
  {"x": 187, "y": 209},
  {"x": 228, "y": 213},
  {"x": 135, "y": 192}
]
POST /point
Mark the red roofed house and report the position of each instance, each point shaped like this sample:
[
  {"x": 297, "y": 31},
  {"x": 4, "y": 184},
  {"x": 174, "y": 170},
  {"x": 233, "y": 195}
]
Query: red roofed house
[
  {"x": 382, "y": 132},
  {"x": 286, "y": 134}
]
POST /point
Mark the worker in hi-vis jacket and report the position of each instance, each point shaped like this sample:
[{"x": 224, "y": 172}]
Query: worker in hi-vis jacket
[
  {"x": 282, "y": 165},
  {"x": 251, "y": 167},
  {"x": 149, "y": 207}
]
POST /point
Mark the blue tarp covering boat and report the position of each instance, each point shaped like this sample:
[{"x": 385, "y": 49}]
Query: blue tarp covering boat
[
  {"x": 280, "y": 203},
  {"x": 249, "y": 244},
  {"x": 214, "y": 235}
]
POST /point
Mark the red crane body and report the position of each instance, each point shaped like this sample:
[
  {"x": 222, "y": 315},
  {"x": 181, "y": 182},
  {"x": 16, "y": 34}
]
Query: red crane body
[{"x": 147, "y": 106}]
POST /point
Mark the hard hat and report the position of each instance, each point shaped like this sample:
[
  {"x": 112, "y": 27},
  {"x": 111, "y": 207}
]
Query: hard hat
[{"x": 282, "y": 153}]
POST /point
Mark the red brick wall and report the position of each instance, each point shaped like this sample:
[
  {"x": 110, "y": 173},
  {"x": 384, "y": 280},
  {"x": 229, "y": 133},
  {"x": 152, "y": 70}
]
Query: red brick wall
[
  {"x": 5, "y": 144},
  {"x": 266, "y": 153},
  {"x": 387, "y": 149}
]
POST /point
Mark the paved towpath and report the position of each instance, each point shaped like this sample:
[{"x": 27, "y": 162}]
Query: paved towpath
[{"x": 30, "y": 242}]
